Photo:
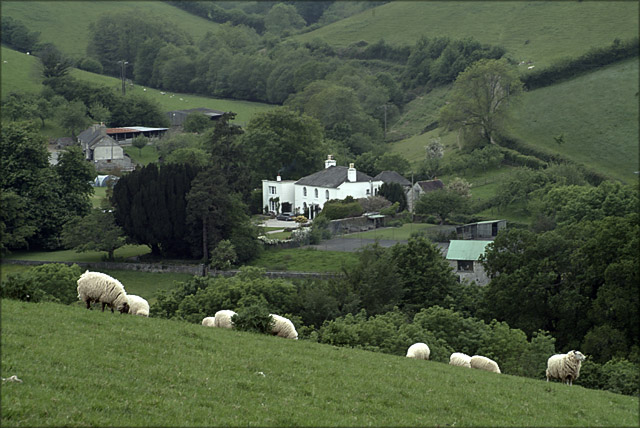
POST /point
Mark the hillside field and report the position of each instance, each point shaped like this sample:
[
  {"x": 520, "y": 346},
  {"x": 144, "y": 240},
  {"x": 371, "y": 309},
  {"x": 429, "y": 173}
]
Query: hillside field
[
  {"x": 81, "y": 367},
  {"x": 68, "y": 23},
  {"x": 537, "y": 31}
]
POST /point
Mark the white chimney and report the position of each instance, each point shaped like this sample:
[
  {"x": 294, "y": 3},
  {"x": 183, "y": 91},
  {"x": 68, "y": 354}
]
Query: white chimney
[
  {"x": 329, "y": 162},
  {"x": 351, "y": 173},
  {"x": 278, "y": 178}
]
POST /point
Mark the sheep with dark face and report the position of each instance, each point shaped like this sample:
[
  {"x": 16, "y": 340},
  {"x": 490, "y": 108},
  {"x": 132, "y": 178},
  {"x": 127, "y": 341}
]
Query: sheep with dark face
[
  {"x": 565, "y": 367},
  {"x": 100, "y": 287}
]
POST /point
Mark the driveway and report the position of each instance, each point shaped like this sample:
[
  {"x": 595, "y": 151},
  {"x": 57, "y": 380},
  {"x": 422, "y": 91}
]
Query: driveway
[{"x": 272, "y": 222}]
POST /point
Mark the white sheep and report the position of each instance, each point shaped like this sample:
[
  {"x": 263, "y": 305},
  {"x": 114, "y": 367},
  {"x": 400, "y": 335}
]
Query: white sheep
[
  {"x": 565, "y": 367},
  {"x": 222, "y": 319},
  {"x": 459, "y": 359},
  {"x": 209, "y": 321},
  {"x": 283, "y": 327},
  {"x": 100, "y": 287},
  {"x": 484, "y": 363},
  {"x": 138, "y": 305},
  {"x": 419, "y": 351}
]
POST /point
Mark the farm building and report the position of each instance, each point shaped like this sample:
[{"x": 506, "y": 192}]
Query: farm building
[
  {"x": 177, "y": 117},
  {"x": 463, "y": 257},
  {"x": 481, "y": 230},
  {"x": 419, "y": 189}
]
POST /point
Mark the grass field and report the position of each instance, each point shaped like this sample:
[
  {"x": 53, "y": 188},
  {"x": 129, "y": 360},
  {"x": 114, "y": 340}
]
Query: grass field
[
  {"x": 395, "y": 233},
  {"x": 598, "y": 115},
  {"x": 304, "y": 260},
  {"x": 82, "y": 367},
  {"x": 539, "y": 31},
  {"x": 121, "y": 254},
  {"x": 67, "y": 23}
]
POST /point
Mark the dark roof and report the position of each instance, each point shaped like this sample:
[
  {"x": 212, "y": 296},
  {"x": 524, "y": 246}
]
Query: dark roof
[
  {"x": 331, "y": 177},
  {"x": 90, "y": 134},
  {"x": 392, "y": 177},
  {"x": 430, "y": 185}
]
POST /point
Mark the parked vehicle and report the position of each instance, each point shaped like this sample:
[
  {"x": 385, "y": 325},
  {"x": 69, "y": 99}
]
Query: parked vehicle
[{"x": 285, "y": 216}]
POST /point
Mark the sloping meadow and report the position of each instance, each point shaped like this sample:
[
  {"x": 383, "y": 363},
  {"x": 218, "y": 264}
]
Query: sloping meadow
[{"x": 81, "y": 367}]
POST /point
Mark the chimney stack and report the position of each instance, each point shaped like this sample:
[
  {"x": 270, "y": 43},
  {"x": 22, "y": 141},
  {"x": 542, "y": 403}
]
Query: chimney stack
[
  {"x": 351, "y": 173},
  {"x": 329, "y": 162},
  {"x": 278, "y": 178}
]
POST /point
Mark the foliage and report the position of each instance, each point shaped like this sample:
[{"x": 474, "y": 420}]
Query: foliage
[
  {"x": 16, "y": 35},
  {"x": 196, "y": 122},
  {"x": 55, "y": 282},
  {"x": 442, "y": 203},
  {"x": 283, "y": 142},
  {"x": 223, "y": 255},
  {"x": 480, "y": 97},
  {"x": 394, "y": 192},
  {"x": 140, "y": 142},
  {"x": 75, "y": 175},
  {"x": 253, "y": 316},
  {"x": 335, "y": 209},
  {"x": 96, "y": 231}
]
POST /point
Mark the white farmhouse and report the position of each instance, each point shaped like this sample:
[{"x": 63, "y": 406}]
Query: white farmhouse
[{"x": 312, "y": 191}]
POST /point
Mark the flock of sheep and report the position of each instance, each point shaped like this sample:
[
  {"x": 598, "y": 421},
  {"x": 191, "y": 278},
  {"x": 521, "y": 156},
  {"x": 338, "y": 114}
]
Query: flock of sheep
[
  {"x": 565, "y": 367},
  {"x": 101, "y": 288}
]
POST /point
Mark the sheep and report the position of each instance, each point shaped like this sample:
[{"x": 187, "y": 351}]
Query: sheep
[
  {"x": 283, "y": 327},
  {"x": 137, "y": 305},
  {"x": 222, "y": 319},
  {"x": 209, "y": 321},
  {"x": 419, "y": 351},
  {"x": 565, "y": 367},
  {"x": 484, "y": 363},
  {"x": 459, "y": 359},
  {"x": 100, "y": 287}
]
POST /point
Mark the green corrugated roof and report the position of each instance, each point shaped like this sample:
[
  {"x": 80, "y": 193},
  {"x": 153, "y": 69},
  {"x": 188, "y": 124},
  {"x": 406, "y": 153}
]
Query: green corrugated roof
[{"x": 466, "y": 249}]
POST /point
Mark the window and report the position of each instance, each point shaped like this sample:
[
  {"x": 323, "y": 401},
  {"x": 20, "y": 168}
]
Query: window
[
  {"x": 272, "y": 190},
  {"x": 304, "y": 191},
  {"x": 326, "y": 194},
  {"x": 465, "y": 265},
  {"x": 368, "y": 192},
  {"x": 316, "y": 192}
]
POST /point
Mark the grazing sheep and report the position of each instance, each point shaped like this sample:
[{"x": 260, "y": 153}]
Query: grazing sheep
[
  {"x": 419, "y": 351},
  {"x": 137, "y": 305},
  {"x": 484, "y": 363},
  {"x": 209, "y": 321},
  {"x": 283, "y": 327},
  {"x": 565, "y": 367},
  {"x": 459, "y": 359},
  {"x": 222, "y": 319},
  {"x": 100, "y": 287}
]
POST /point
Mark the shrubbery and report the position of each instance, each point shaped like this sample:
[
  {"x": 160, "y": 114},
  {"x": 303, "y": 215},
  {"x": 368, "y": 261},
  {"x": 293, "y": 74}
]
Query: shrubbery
[
  {"x": 335, "y": 209},
  {"x": 45, "y": 283}
]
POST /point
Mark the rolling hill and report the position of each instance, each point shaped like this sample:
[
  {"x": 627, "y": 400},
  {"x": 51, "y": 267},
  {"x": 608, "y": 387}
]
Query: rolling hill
[
  {"x": 537, "y": 31},
  {"x": 82, "y": 367}
]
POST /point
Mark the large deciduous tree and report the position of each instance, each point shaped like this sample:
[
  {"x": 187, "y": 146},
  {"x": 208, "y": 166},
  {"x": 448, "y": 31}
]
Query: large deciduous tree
[
  {"x": 283, "y": 142},
  {"x": 97, "y": 231},
  {"x": 480, "y": 97}
]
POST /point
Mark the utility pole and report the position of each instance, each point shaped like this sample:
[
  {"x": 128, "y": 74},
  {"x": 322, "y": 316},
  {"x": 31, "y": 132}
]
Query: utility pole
[{"x": 123, "y": 74}]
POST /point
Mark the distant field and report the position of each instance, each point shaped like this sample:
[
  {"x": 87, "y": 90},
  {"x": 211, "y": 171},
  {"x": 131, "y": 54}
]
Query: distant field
[
  {"x": 304, "y": 260},
  {"x": 67, "y": 23},
  {"x": 20, "y": 72},
  {"x": 539, "y": 31},
  {"x": 395, "y": 233},
  {"x": 72, "y": 256},
  {"x": 598, "y": 115}
]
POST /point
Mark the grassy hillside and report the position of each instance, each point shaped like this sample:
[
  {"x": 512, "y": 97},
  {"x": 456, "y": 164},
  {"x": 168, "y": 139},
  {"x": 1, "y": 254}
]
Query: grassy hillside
[
  {"x": 538, "y": 31},
  {"x": 66, "y": 24},
  {"x": 598, "y": 115},
  {"x": 14, "y": 78},
  {"x": 82, "y": 367}
]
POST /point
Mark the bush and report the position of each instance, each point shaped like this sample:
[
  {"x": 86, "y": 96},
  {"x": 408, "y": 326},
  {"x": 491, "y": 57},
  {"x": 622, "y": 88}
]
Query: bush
[
  {"x": 54, "y": 282},
  {"x": 91, "y": 65},
  {"x": 253, "y": 315},
  {"x": 334, "y": 210}
]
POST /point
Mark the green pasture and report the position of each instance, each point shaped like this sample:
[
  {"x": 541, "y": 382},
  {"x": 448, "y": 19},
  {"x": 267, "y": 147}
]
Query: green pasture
[
  {"x": 67, "y": 24},
  {"x": 19, "y": 72},
  {"x": 90, "y": 368},
  {"x": 597, "y": 113},
  {"x": 147, "y": 284},
  {"x": 401, "y": 233},
  {"x": 304, "y": 260},
  {"x": 121, "y": 254},
  {"x": 537, "y": 31}
]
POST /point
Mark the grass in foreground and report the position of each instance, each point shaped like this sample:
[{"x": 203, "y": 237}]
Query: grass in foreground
[{"x": 82, "y": 367}]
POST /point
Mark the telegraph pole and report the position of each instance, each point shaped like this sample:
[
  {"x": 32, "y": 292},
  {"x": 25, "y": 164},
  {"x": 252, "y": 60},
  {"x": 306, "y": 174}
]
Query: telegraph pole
[{"x": 123, "y": 74}]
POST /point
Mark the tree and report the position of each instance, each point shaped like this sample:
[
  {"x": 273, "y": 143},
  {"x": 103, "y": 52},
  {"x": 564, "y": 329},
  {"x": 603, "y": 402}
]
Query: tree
[
  {"x": 480, "y": 97},
  {"x": 394, "y": 192},
  {"x": 434, "y": 154},
  {"x": 140, "y": 142},
  {"x": 97, "y": 231},
  {"x": 73, "y": 117},
  {"x": 441, "y": 203},
  {"x": 99, "y": 112},
  {"x": 54, "y": 63},
  {"x": 393, "y": 162},
  {"x": 283, "y": 142},
  {"x": 75, "y": 175},
  {"x": 283, "y": 17},
  {"x": 196, "y": 122}
]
